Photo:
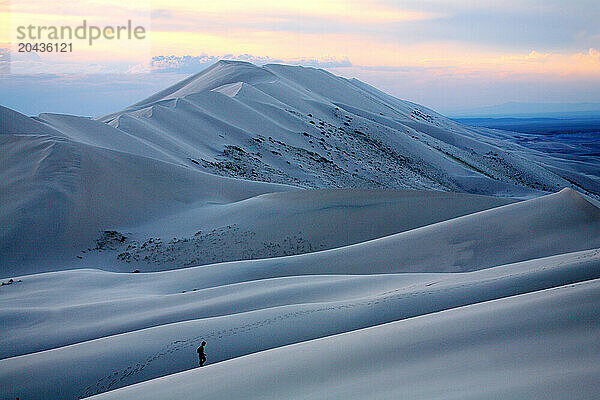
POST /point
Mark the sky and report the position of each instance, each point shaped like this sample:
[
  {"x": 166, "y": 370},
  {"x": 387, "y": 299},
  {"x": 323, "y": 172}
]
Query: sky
[{"x": 447, "y": 55}]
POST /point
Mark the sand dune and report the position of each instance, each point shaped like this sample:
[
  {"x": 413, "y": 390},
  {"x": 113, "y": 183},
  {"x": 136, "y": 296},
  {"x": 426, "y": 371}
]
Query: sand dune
[
  {"x": 333, "y": 128},
  {"x": 326, "y": 239},
  {"x": 549, "y": 225},
  {"x": 280, "y": 224},
  {"x": 285, "y": 311},
  {"x": 65, "y": 179},
  {"x": 513, "y": 348},
  {"x": 58, "y": 194}
]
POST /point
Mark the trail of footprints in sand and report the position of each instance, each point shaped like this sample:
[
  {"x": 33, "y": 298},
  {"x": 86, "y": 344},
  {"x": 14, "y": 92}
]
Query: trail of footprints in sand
[{"x": 108, "y": 382}]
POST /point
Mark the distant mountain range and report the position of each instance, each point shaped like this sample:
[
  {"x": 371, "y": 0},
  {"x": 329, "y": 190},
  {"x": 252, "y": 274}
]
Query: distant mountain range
[{"x": 522, "y": 109}]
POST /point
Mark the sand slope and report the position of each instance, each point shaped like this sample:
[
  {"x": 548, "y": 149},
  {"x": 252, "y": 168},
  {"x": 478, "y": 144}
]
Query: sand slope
[
  {"x": 285, "y": 311},
  {"x": 519, "y": 347},
  {"x": 58, "y": 194},
  {"x": 66, "y": 179},
  {"x": 146, "y": 325},
  {"x": 261, "y": 206}
]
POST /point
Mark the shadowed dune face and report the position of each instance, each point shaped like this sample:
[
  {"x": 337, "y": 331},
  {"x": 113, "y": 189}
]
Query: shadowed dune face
[{"x": 58, "y": 195}]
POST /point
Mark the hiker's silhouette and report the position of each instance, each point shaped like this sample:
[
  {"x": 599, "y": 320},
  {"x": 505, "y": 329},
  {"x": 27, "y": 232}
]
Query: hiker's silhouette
[{"x": 201, "y": 354}]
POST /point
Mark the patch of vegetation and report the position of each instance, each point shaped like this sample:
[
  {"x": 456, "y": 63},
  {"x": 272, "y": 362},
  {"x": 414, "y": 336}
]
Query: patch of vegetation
[
  {"x": 109, "y": 240},
  {"x": 9, "y": 282}
]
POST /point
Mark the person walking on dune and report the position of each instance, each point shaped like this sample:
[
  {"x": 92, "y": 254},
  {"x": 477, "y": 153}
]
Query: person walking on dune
[{"x": 201, "y": 354}]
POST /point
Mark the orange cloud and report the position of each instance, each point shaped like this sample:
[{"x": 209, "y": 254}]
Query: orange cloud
[
  {"x": 362, "y": 11},
  {"x": 192, "y": 27},
  {"x": 562, "y": 64}
]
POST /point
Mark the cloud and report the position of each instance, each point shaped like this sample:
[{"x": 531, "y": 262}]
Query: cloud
[
  {"x": 327, "y": 62},
  {"x": 182, "y": 64},
  {"x": 193, "y": 64},
  {"x": 280, "y": 15},
  {"x": 507, "y": 26},
  {"x": 579, "y": 64},
  {"x": 161, "y": 14},
  {"x": 4, "y": 60},
  {"x": 592, "y": 56},
  {"x": 30, "y": 64}
]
